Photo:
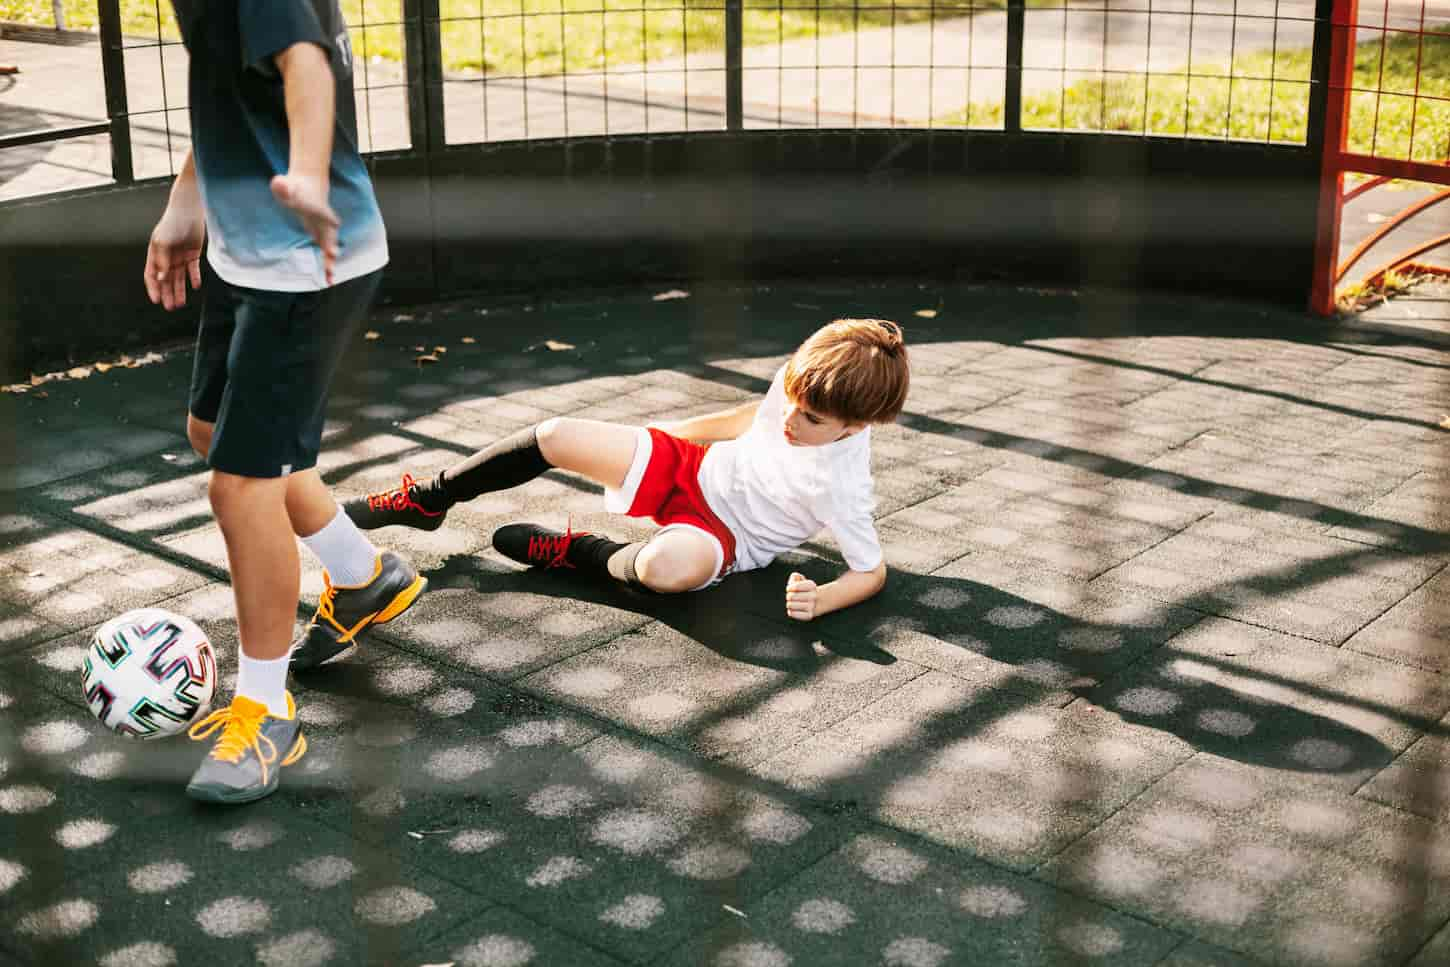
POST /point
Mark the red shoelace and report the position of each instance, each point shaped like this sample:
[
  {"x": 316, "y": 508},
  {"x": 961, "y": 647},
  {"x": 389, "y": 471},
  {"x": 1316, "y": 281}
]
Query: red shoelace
[
  {"x": 552, "y": 551},
  {"x": 399, "y": 498}
]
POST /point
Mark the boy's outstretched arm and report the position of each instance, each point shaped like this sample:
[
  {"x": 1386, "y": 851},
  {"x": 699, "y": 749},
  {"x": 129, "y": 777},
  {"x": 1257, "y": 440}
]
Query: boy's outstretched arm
[
  {"x": 309, "y": 92},
  {"x": 724, "y": 425},
  {"x": 805, "y": 599}
]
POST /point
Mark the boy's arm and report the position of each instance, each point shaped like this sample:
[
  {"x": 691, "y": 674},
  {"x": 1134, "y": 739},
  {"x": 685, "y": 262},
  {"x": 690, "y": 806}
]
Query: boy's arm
[
  {"x": 310, "y": 93},
  {"x": 724, "y": 425},
  {"x": 804, "y": 599},
  {"x": 174, "y": 253}
]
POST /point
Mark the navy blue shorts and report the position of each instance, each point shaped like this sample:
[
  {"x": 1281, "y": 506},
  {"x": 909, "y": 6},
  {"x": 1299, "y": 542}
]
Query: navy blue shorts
[{"x": 264, "y": 363}]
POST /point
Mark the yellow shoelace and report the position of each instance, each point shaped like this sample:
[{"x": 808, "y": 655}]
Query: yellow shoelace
[
  {"x": 324, "y": 604},
  {"x": 241, "y": 725}
]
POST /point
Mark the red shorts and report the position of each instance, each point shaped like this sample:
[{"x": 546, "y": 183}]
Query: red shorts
[{"x": 663, "y": 484}]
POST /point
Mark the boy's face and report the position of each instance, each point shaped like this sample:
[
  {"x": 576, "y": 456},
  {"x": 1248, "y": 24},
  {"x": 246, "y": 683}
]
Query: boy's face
[{"x": 806, "y": 428}]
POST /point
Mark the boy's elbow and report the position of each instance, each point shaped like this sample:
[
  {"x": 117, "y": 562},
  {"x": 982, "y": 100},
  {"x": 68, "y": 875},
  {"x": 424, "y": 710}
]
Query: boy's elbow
[
  {"x": 302, "y": 61},
  {"x": 878, "y": 578}
]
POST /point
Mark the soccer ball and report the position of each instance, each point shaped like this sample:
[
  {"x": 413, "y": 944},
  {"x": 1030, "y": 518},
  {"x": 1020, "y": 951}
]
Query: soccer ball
[{"x": 149, "y": 673}]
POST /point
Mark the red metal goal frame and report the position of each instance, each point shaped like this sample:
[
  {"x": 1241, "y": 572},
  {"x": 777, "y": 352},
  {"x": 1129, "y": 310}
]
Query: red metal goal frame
[{"x": 1339, "y": 161}]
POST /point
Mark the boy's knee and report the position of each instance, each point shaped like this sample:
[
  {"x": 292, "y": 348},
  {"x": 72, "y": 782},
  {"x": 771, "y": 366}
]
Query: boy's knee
[
  {"x": 548, "y": 432},
  {"x": 229, "y": 491},
  {"x": 198, "y": 433},
  {"x": 670, "y": 570}
]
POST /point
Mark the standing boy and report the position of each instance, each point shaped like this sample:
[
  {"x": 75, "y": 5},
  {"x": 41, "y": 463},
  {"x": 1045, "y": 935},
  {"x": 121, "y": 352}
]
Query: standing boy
[{"x": 296, "y": 252}]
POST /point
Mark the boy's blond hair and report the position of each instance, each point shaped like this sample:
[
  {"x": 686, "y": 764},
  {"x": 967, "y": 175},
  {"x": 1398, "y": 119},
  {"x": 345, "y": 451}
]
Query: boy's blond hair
[{"x": 855, "y": 370}]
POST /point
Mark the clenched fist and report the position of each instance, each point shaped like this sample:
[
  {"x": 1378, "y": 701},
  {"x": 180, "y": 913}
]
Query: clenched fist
[{"x": 800, "y": 597}]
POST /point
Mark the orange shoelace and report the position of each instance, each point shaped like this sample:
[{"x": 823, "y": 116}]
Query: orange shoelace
[{"x": 241, "y": 725}]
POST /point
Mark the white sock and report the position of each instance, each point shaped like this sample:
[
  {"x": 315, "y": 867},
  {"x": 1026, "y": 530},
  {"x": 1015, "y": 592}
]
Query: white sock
[
  {"x": 264, "y": 681},
  {"x": 349, "y": 557}
]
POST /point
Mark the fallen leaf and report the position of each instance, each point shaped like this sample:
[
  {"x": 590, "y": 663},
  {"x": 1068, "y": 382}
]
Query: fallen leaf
[
  {"x": 926, "y": 313},
  {"x": 671, "y": 294},
  {"x": 468, "y": 339},
  {"x": 102, "y": 367},
  {"x": 425, "y": 358},
  {"x": 403, "y": 317},
  {"x": 78, "y": 372},
  {"x": 557, "y": 346},
  {"x": 372, "y": 334}
]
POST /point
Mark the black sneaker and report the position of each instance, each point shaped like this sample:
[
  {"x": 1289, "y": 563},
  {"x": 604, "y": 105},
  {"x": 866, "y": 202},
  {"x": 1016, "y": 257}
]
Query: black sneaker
[
  {"x": 397, "y": 506},
  {"x": 534, "y": 545},
  {"x": 344, "y": 611},
  {"x": 242, "y": 765}
]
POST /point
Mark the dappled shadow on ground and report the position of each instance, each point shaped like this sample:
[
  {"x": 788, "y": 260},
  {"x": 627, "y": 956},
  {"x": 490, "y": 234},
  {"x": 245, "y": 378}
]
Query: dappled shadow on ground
[{"x": 521, "y": 729}]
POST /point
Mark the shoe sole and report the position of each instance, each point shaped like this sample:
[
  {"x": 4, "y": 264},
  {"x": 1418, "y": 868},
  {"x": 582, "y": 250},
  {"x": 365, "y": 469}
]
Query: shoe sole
[
  {"x": 426, "y": 524},
  {"x": 242, "y": 796},
  {"x": 402, "y": 602}
]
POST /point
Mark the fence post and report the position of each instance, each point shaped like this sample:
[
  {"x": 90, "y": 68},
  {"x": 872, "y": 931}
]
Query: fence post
[
  {"x": 734, "y": 65},
  {"x": 1328, "y": 121},
  {"x": 423, "y": 51},
  {"x": 113, "y": 70},
  {"x": 1012, "y": 99}
]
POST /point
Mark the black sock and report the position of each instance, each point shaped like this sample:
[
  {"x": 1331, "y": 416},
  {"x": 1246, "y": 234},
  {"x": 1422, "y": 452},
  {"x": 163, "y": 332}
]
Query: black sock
[
  {"x": 601, "y": 557},
  {"x": 514, "y": 460}
]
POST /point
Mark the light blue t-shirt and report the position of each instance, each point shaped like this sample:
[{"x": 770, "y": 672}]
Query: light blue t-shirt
[{"x": 240, "y": 140}]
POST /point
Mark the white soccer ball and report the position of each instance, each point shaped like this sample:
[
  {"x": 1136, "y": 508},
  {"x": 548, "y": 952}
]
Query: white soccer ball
[{"x": 149, "y": 673}]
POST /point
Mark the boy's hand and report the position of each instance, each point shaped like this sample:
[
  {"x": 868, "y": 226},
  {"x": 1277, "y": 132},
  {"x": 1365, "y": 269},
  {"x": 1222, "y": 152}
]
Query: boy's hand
[
  {"x": 800, "y": 597},
  {"x": 174, "y": 255},
  {"x": 307, "y": 199}
]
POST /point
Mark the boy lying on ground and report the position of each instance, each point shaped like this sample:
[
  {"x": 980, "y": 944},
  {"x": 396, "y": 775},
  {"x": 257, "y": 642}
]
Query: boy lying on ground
[{"x": 731, "y": 491}]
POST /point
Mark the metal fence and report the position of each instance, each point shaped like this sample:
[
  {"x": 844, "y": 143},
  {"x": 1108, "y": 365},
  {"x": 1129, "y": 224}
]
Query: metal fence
[{"x": 439, "y": 73}]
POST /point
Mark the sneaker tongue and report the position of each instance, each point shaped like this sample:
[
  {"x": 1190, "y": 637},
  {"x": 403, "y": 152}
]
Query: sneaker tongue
[{"x": 241, "y": 705}]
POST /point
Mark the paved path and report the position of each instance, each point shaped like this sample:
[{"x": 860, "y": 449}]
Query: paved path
[{"x": 1159, "y": 677}]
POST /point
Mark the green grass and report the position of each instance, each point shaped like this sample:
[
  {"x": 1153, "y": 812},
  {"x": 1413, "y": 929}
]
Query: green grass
[
  {"x": 503, "y": 36},
  {"x": 1266, "y": 100}
]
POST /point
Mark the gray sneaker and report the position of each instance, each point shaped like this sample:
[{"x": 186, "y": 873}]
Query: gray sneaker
[
  {"x": 242, "y": 765},
  {"x": 344, "y": 611}
]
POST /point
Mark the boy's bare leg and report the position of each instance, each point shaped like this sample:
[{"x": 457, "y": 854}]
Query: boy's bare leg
[
  {"x": 310, "y": 505},
  {"x": 262, "y": 558},
  {"x": 675, "y": 561},
  {"x": 600, "y": 451}
]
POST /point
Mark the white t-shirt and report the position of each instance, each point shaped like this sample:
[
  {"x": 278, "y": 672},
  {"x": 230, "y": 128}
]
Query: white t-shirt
[{"x": 774, "y": 497}]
